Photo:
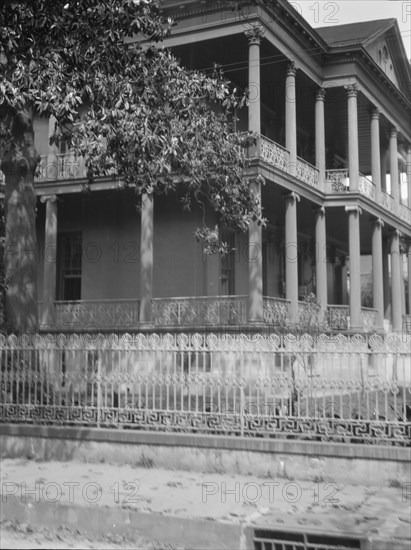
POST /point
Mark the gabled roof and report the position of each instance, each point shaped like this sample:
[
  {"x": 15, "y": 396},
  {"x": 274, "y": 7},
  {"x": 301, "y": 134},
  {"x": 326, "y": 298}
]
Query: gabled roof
[
  {"x": 362, "y": 36},
  {"x": 355, "y": 33}
]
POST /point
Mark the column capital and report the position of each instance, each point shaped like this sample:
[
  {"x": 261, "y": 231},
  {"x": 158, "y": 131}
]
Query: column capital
[
  {"x": 292, "y": 68},
  {"x": 293, "y": 197},
  {"x": 319, "y": 210},
  {"x": 353, "y": 208},
  {"x": 47, "y": 198},
  {"x": 375, "y": 113},
  {"x": 395, "y": 233},
  {"x": 254, "y": 34},
  {"x": 352, "y": 90},
  {"x": 394, "y": 132},
  {"x": 409, "y": 149},
  {"x": 377, "y": 222},
  {"x": 320, "y": 94}
]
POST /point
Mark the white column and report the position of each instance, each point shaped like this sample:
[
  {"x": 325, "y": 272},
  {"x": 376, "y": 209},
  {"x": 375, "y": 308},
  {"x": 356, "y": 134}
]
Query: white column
[
  {"x": 384, "y": 164},
  {"x": 377, "y": 272},
  {"x": 321, "y": 259},
  {"x": 394, "y": 176},
  {"x": 291, "y": 254},
  {"x": 320, "y": 135},
  {"x": 403, "y": 300},
  {"x": 353, "y": 155},
  {"x": 291, "y": 116},
  {"x": 255, "y": 246},
  {"x": 396, "y": 282},
  {"x": 409, "y": 278},
  {"x": 409, "y": 178},
  {"x": 48, "y": 315},
  {"x": 254, "y": 86},
  {"x": 146, "y": 259},
  {"x": 386, "y": 277},
  {"x": 355, "y": 268},
  {"x": 375, "y": 151}
]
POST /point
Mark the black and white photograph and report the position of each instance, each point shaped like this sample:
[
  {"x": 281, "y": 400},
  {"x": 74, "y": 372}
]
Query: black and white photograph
[{"x": 205, "y": 267}]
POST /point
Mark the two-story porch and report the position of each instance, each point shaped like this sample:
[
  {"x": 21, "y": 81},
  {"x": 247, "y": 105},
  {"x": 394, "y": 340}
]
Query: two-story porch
[{"x": 334, "y": 151}]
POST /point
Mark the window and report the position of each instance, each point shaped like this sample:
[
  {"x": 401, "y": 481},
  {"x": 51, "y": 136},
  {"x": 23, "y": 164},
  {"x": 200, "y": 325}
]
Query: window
[
  {"x": 69, "y": 253},
  {"x": 384, "y": 58}
]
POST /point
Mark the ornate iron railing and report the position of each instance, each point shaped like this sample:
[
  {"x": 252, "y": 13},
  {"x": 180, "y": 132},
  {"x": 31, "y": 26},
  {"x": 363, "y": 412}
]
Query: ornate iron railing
[
  {"x": 337, "y": 317},
  {"x": 198, "y": 311},
  {"x": 404, "y": 213},
  {"x": 369, "y": 318},
  {"x": 328, "y": 388},
  {"x": 274, "y": 154},
  {"x": 95, "y": 315},
  {"x": 366, "y": 187},
  {"x": 307, "y": 173},
  {"x": 387, "y": 201},
  {"x": 276, "y": 311},
  {"x": 337, "y": 181},
  {"x": 71, "y": 166}
]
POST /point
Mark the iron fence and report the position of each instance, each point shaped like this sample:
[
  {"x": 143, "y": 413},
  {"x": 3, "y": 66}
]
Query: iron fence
[{"x": 328, "y": 388}]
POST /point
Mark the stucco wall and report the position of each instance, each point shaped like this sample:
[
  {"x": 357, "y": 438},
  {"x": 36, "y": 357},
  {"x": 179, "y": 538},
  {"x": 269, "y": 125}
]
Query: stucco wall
[{"x": 110, "y": 227}]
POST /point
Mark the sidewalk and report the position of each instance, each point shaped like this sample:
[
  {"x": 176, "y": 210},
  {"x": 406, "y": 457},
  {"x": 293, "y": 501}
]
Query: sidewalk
[{"x": 194, "y": 510}]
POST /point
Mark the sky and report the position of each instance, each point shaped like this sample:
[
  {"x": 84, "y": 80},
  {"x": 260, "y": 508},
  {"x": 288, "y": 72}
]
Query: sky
[{"x": 324, "y": 13}]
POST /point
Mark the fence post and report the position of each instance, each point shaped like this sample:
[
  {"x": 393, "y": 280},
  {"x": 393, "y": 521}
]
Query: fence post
[
  {"x": 242, "y": 406},
  {"x": 99, "y": 397}
]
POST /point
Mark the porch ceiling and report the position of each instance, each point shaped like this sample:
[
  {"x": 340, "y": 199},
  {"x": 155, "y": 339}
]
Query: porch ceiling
[{"x": 231, "y": 52}]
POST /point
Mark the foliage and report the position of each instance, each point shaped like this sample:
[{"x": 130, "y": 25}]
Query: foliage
[
  {"x": 309, "y": 319},
  {"x": 2, "y": 274},
  {"x": 123, "y": 101}
]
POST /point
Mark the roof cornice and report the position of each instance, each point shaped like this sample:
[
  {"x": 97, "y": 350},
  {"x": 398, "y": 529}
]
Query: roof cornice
[{"x": 359, "y": 54}]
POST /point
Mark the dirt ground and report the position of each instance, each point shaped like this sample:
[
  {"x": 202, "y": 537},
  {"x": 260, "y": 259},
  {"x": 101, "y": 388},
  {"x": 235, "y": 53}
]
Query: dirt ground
[{"x": 14, "y": 535}]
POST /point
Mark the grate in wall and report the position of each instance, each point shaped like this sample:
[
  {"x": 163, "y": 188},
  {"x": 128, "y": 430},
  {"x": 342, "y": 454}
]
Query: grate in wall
[{"x": 278, "y": 540}]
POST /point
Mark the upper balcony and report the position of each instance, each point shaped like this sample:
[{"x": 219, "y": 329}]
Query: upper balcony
[{"x": 69, "y": 167}]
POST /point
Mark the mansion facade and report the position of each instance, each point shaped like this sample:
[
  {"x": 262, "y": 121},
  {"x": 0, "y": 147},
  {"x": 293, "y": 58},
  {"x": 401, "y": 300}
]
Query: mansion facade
[{"x": 332, "y": 109}]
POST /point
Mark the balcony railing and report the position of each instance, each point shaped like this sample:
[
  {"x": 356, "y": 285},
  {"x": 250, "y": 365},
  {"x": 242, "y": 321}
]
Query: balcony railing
[
  {"x": 337, "y": 317},
  {"x": 404, "y": 213},
  {"x": 89, "y": 315},
  {"x": 198, "y": 311},
  {"x": 336, "y": 180},
  {"x": 368, "y": 318},
  {"x": 387, "y": 201},
  {"x": 274, "y": 154},
  {"x": 366, "y": 187},
  {"x": 71, "y": 166},
  {"x": 276, "y": 311},
  {"x": 307, "y": 172}
]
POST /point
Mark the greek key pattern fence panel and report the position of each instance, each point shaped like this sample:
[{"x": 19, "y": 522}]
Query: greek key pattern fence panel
[{"x": 328, "y": 388}]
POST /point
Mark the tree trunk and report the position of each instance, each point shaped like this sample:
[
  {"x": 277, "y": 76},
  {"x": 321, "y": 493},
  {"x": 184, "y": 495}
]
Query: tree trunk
[{"x": 20, "y": 255}]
